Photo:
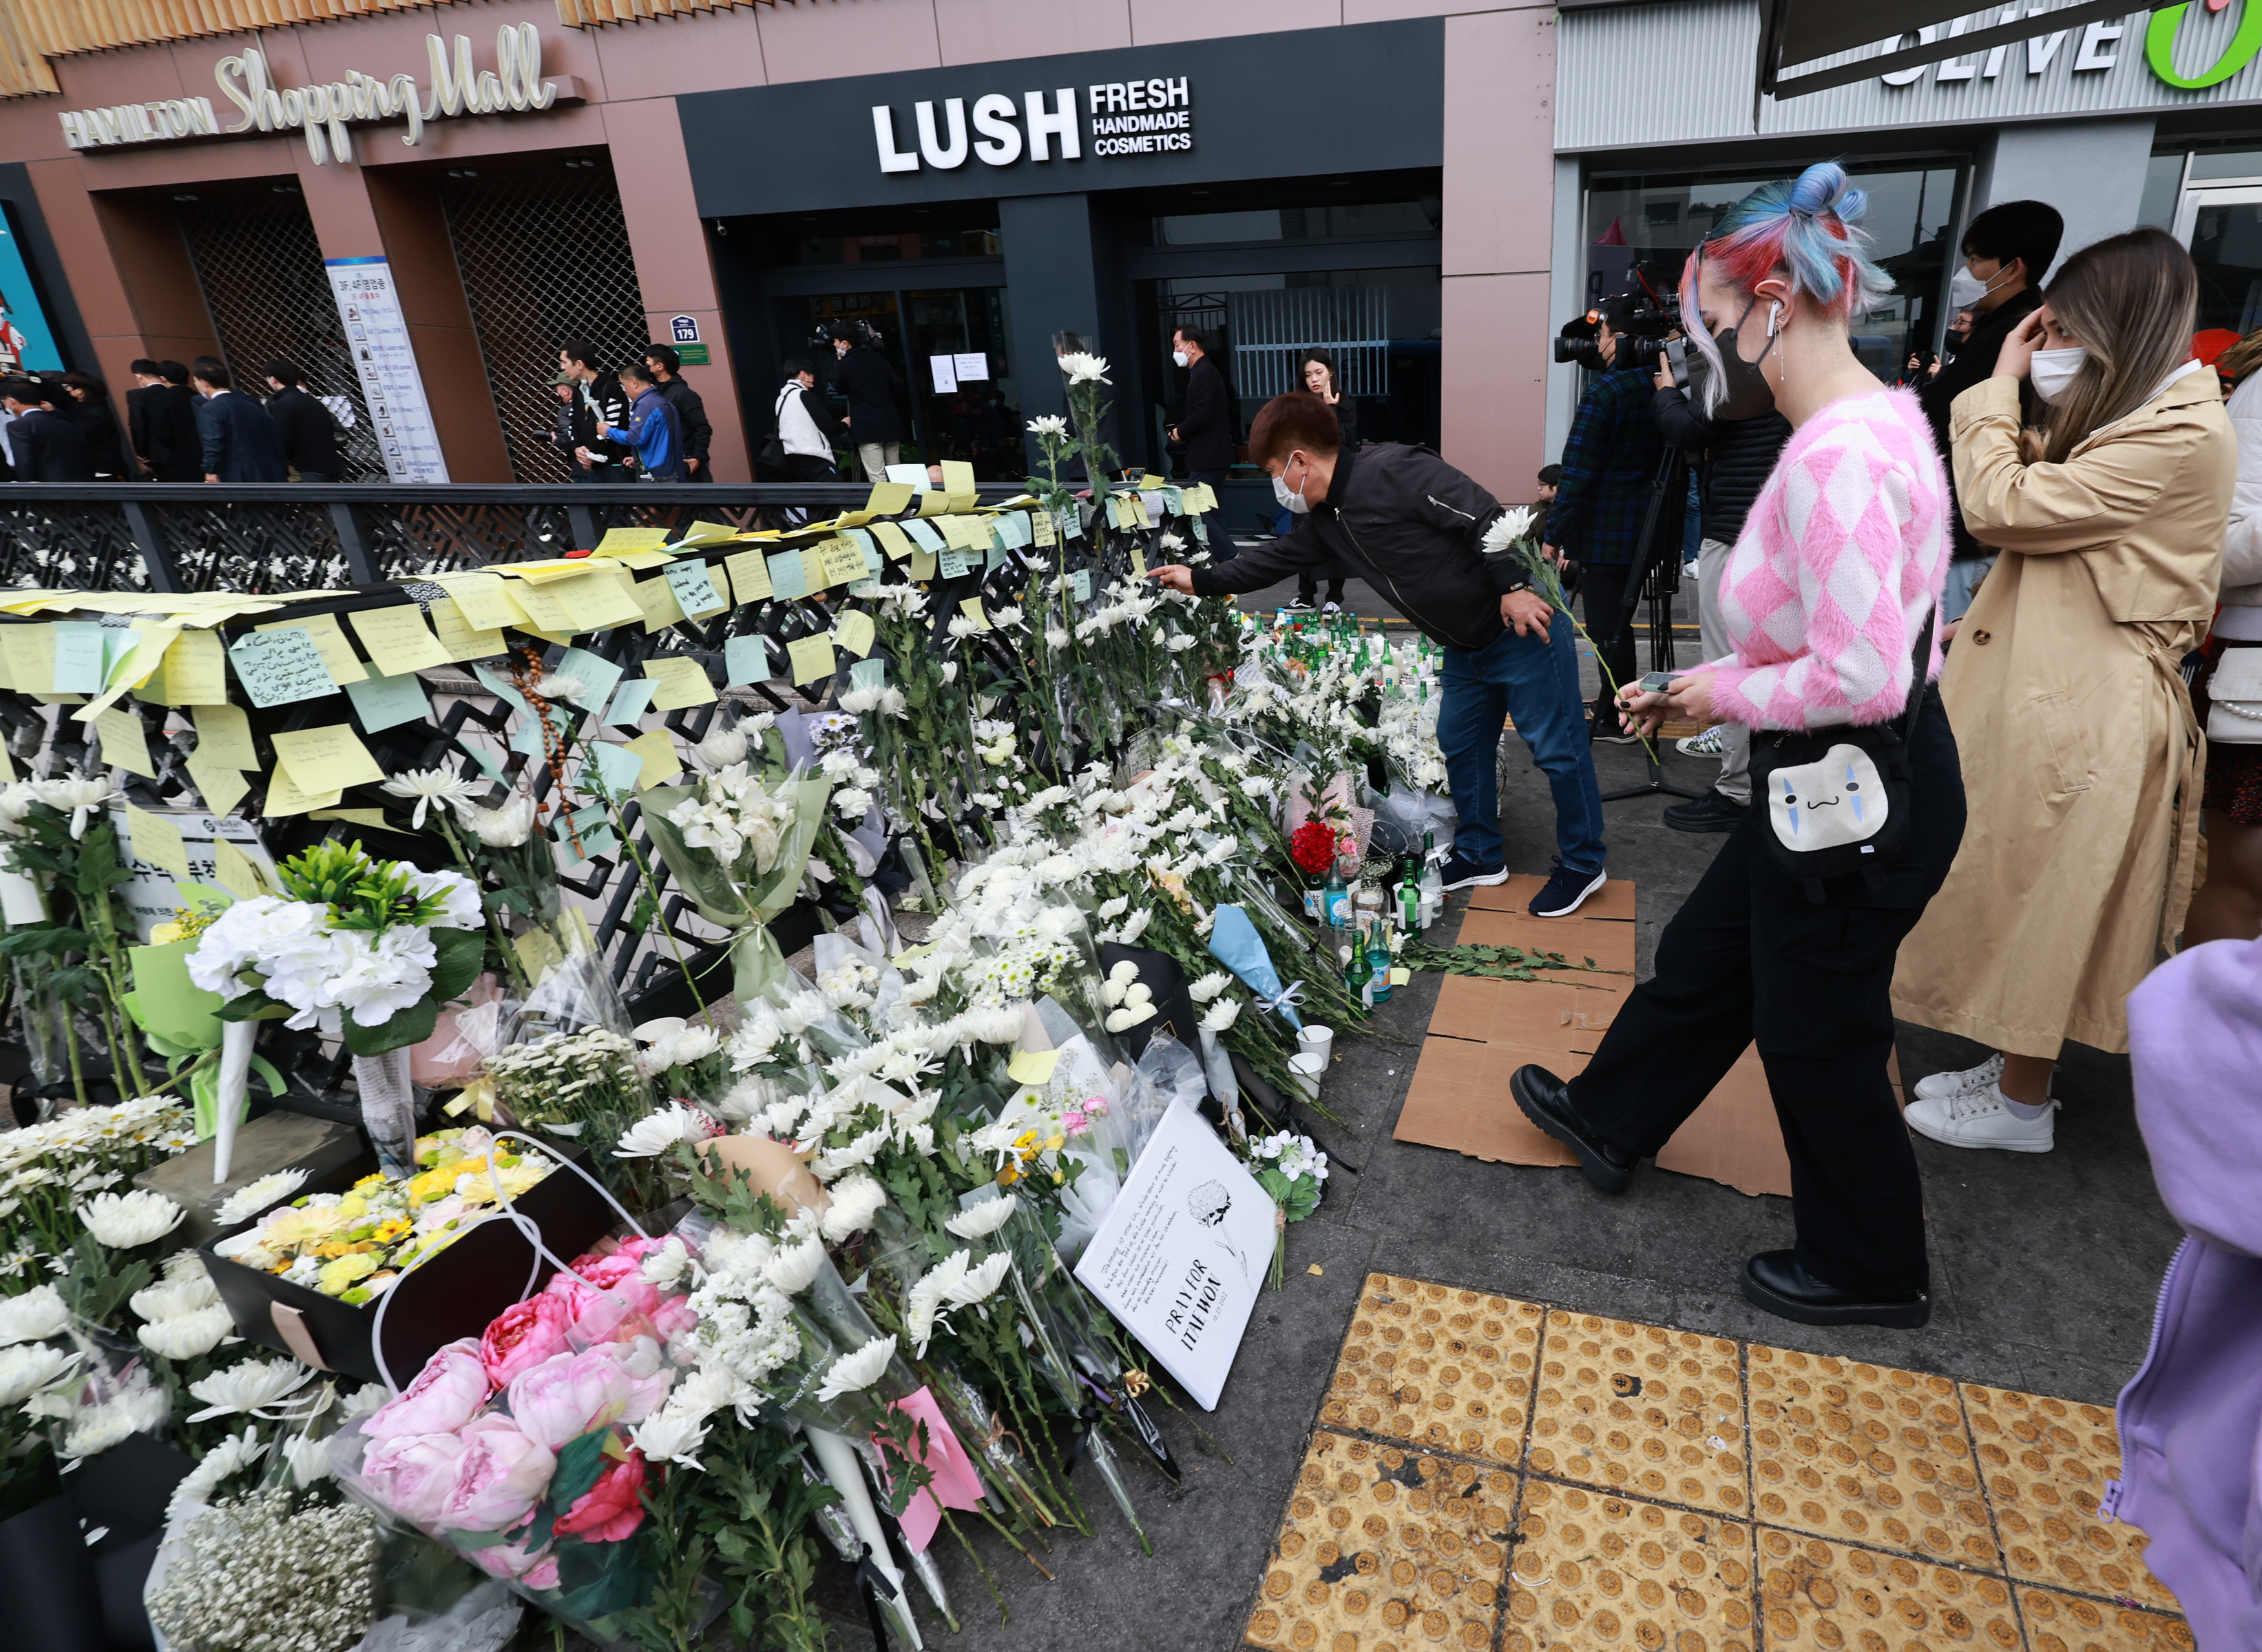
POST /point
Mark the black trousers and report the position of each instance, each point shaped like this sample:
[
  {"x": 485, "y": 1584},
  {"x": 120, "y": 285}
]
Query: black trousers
[
  {"x": 1602, "y": 589},
  {"x": 1749, "y": 959}
]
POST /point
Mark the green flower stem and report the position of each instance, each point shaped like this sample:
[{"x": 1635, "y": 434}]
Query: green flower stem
[
  {"x": 504, "y": 950},
  {"x": 618, "y": 815}
]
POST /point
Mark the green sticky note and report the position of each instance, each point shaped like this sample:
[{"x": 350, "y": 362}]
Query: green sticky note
[
  {"x": 383, "y": 703},
  {"x": 695, "y": 592},
  {"x": 953, "y": 562},
  {"x": 631, "y": 702},
  {"x": 1080, "y": 584},
  {"x": 869, "y": 674},
  {"x": 744, "y": 659},
  {"x": 929, "y": 537},
  {"x": 598, "y": 675},
  {"x": 789, "y": 574},
  {"x": 81, "y": 660},
  {"x": 501, "y": 689},
  {"x": 486, "y": 760},
  {"x": 618, "y": 768},
  {"x": 280, "y": 667},
  {"x": 591, "y": 827},
  {"x": 873, "y": 560}
]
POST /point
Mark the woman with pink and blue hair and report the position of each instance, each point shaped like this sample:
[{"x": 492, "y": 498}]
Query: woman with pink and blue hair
[{"x": 1827, "y": 597}]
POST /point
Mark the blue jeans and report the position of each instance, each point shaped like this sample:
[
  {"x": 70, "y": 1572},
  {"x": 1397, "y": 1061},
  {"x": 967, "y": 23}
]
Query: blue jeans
[
  {"x": 1537, "y": 683},
  {"x": 1963, "y": 578}
]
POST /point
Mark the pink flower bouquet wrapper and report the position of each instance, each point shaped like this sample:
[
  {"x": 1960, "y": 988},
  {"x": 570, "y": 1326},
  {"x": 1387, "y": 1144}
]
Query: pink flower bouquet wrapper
[{"x": 955, "y": 1483}]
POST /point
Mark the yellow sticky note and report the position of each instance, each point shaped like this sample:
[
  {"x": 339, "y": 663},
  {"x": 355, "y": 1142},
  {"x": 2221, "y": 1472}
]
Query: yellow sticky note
[
  {"x": 750, "y": 576},
  {"x": 327, "y": 759},
  {"x": 544, "y": 611},
  {"x": 125, "y": 742},
  {"x": 617, "y": 540},
  {"x": 1033, "y": 1067},
  {"x": 934, "y": 503},
  {"x": 1400, "y": 977},
  {"x": 678, "y": 681},
  {"x": 224, "y": 735},
  {"x": 373, "y": 818},
  {"x": 31, "y": 655},
  {"x": 656, "y": 600},
  {"x": 958, "y": 482},
  {"x": 887, "y": 498},
  {"x": 657, "y": 751},
  {"x": 234, "y": 870},
  {"x": 218, "y": 782},
  {"x": 708, "y": 533},
  {"x": 158, "y": 841},
  {"x": 483, "y": 600},
  {"x": 195, "y": 672},
  {"x": 458, "y": 638},
  {"x": 400, "y": 643},
  {"x": 597, "y": 599},
  {"x": 844, "y": 561},
  {"x": 813, "y": 572},
  {"x": 855, "y": 632},
  {"x": 1040, "y": 527},
  {"x": 893, "y": 540},
  {"x": 810, "y": 658},
  {"x": 964, "y": 533},
  {"x": 972, "y": 608},
  {"x": 286, "y": 797},
  {"x": 1138, "y": 559},
  {"x": 148, "y": 657},
  {"x": 330, "y": 642}
]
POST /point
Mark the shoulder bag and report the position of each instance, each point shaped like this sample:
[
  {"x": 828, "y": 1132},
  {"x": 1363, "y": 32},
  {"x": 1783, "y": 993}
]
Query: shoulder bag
[{"x": 1835, "y": 803}]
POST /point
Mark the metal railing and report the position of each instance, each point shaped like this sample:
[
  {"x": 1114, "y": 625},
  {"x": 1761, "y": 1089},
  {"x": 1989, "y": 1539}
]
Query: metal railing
[{"x": 260, "y": 537}]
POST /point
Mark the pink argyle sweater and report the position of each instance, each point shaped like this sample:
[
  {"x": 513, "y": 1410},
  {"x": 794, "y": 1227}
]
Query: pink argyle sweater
[{"x": 1843, "y": 553}]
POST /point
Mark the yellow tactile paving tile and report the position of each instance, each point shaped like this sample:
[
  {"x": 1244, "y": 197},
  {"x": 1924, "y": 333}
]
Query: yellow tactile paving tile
[
  {"x": 1832, "y": 1596},
  {"x": 1385, "y": 1550},
  {"x": 2067, "y": 1623},
  {"x": 1641, "y": 1411},
  {"x": 1865, "y": 1453},
  {"x": 2046, "y": 1462},
  {"x": 1437, "y": 1366},
  {"x": 1596, "y": 1570}
]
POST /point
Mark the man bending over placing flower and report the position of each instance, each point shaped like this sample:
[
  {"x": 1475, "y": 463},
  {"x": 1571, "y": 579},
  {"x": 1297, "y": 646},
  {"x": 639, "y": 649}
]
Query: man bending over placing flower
[{"x": 1412, "y": 527}]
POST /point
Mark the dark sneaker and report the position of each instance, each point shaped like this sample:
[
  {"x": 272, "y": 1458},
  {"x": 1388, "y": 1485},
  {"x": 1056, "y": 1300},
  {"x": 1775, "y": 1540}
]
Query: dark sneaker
[
  {"x": 1461, "y": 872},
  {"x": 1714, "y": 811},
  {"x": 1775, "y": 1283},
  {"x": 1566, "y": 892},
  {"x": 1546, "y": 1100},
  {"x": 1606, "y": 729}
]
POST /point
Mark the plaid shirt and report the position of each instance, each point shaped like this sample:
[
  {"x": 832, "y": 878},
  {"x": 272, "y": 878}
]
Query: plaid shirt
[{"x": 1609, "y": 462}]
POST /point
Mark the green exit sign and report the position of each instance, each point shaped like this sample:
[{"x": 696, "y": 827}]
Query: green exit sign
[{"x": 693, "y": 355}]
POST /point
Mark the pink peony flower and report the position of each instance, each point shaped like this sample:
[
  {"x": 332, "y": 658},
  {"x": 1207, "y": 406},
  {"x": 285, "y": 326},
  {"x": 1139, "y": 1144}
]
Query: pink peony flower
[
  {"x": 566, "y": 1396},
  {"x": 611, "y": 1510},
  {"x": 524, "y": 1335},
  {"x": 605, "y": 1292},
  {"x": 411, "y": 1473},
  {"x": 511, "y": 1560},
  {"x": 446, "y": 1395},
  {"x": 499, "y": 1478}
]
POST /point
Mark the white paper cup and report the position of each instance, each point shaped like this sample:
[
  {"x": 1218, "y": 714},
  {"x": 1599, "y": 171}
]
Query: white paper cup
[
  {"x": 1315, "y": 1039},
  {"x": 1308, "y": 1068}
]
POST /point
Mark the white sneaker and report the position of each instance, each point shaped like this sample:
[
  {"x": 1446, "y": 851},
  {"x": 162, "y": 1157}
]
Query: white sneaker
[
  {"x": 1981, "y": 1119},
  {"x": 1706, "y": 745},
  {"x": 1971, "y": 1081}
]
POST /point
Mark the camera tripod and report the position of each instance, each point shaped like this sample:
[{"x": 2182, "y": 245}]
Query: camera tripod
[{"x": 1657, "y": 578}]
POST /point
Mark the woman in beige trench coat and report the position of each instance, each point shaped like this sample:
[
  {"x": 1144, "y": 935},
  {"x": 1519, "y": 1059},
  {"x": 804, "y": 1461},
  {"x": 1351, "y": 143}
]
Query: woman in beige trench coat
[{"x": 2081, "y": 756}]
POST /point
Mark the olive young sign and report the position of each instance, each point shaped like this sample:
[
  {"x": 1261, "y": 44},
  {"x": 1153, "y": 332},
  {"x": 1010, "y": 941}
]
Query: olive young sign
[
  {"x": 514, "y": 85},
  {"x": 2098, "y": 47},
  {"x": 1138, "y": 117}
]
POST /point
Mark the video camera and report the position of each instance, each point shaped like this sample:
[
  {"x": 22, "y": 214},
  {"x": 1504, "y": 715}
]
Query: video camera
[
  {"x": 852, "y": 332},
  {"x": 1647, "y": 323}
]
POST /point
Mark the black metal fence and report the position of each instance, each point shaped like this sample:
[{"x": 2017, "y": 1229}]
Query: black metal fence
[{"x": 253, "y": 538}]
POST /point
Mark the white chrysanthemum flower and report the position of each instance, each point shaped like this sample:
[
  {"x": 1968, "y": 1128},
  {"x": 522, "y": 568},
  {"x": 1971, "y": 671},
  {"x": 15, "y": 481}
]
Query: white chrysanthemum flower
[
  {"x": 1222, "y": 1014},
  {"x": 186, "y": 1336},
  {"x": 980, "y": 1284},
  {"x": 856, "y": 1202},
  {"x": 979, "y": 1220},
  {"x": 1510, "y": 526},
  {"x": 1084, "y": 368},
  {"x": 656, "y": 1132},
  {"x": 125, "y": 1220},
  {"x": 960, "y": 627},
  {"x": 245, "y": 1388},
  {"x": 1109, "y": 911},
  {"x": 171, "y": 1298},
  {"x": 309, "y": 1458},
  {"x": 666, "y": 1263},
  {"x": 668, "y": 1436},
  {"x": 79, "y": 796},
  {"x": 856, "y": 1371},
  {"x": 30, "y": 1367},
  {"x": 1049, "y": 424},
  {"x": 792, "y": 1269},
  {"x": 1209, "y": 986},
  {"x": 721, "y": 747},
  {"x": 250, "y": 1200},
  {"x": 505, "y": 826},
  {"x": 429, "y": 786},
  {"x": 38, "y": 1314},
  {"x": 850, "y": 802},
  {"x": 232, "y": 1455}
]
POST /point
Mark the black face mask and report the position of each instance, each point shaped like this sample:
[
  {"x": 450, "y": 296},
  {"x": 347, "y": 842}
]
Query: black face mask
[{"x": 1748, "y": 395}]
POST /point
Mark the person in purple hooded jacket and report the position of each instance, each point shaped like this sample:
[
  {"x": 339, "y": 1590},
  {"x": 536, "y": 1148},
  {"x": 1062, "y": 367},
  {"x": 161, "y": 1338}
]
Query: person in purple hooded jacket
[{"x": 2191, "y": 1418}]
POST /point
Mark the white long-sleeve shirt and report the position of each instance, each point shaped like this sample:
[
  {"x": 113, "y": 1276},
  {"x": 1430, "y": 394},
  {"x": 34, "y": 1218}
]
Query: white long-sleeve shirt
[{"x": 796, "y": 431}]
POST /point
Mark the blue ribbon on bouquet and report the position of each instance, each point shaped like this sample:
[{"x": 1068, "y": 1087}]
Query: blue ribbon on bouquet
[{"x": 1234, "y": 942}]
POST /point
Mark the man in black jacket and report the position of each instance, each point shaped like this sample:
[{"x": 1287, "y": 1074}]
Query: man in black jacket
[
  {"x": 874, "y": 390},
  {"x": 599, "y": 404},
  {"x": 46, "y": 447},
  {"x": 161, "y": 422},
  {"x": 1413, "y": 528},
  {"x": 2007, "y": 252},
  {"x": 1206, "y": 428},
  {"x": 1735, "y": 448},
  {"x": 238, "y": 437},
  {"x": 667, "y": 365},
  {"x": 303, "y": 425}
]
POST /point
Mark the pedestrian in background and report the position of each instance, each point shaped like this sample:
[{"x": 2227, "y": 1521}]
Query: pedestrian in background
[
  {"x": 598, "y": 403},
  {"x": 807, "y": 432},
  {"x": 874, "y": 392},
  {"x": 1205, "y": 430},
  {"x": 1734, "y": 450},
  {"x": 88, "y": 407},
  {"x": 162, "y": 421},
  {"x": 667, "y": 364},
  {"x": 238, "y": 438},
  {"x": 561, "y": 421},
  {"x": 2007, "y": 252},
  {"x": 2065, "y": 686},
  {"x": 43, "y": 446},
  {"x": 1609, "y": 461},
  {"x": 2228, "y": 904},
  {"x": 1319, "y": 371},
  {"x": 306, "y": 428},
  {"x": 652, "y": 431},
  {"x": 1830, "y": 594}
]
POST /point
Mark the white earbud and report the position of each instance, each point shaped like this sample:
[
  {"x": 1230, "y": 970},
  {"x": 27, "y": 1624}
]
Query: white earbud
[{"x": 1775, "y": 319}]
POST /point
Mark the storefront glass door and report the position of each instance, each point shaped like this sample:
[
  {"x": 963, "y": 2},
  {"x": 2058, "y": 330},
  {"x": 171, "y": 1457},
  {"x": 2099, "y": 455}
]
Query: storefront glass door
[{"x": 2223, "y": 230}]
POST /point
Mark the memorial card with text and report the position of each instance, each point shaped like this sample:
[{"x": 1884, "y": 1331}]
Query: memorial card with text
[{"x": 1184, "y": 1252}]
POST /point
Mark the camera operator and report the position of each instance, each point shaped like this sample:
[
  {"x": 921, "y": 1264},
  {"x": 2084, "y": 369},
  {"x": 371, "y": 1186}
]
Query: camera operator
[
  {"x": 1610, "y": 460},
  {"x": 1735, "y": 448}
]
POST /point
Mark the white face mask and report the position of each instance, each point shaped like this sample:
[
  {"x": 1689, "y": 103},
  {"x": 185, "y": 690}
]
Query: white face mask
[
  {"x": 1294, "y": 504},
  {"x": 2051, "y": 370},
  {"x": 1965, "y": 289},
  {"x": 1178, "y": 358}
]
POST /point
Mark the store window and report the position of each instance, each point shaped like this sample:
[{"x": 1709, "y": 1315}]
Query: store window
[
  {"x": 1656, "y": 221},
  {"x": 1291, "y": 223},
  {"x": 962, "y": 230}
]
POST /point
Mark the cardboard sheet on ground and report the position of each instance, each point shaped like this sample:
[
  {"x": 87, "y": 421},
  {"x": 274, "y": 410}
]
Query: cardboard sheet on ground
[
  {"x": 1482, "y": 1030},
  {"x": 1182, "y": 1253}
]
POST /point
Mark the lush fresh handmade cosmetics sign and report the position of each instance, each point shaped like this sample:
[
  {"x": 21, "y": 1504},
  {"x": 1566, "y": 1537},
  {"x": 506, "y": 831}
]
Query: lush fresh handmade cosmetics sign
[{"x": 1183, "y": 1252}]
